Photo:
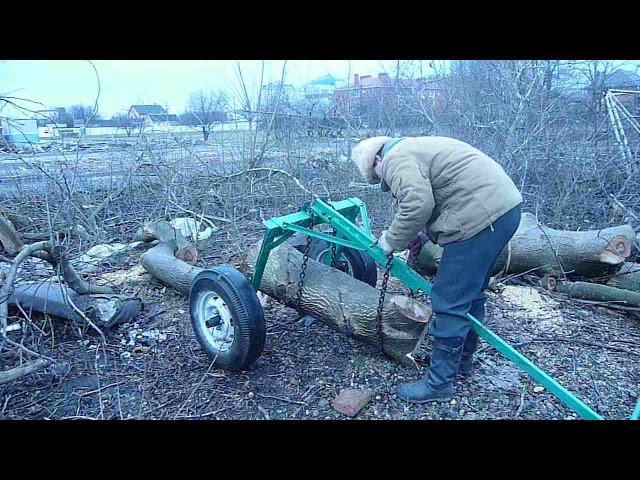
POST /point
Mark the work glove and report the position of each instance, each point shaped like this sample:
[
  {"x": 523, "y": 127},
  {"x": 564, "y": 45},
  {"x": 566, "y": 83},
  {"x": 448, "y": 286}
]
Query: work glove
[
  {"x": 417, "y": 243},
  {"x": 382, "y": 242}
]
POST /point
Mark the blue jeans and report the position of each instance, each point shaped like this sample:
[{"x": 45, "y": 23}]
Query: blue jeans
[{"x": 463, "y": 275}]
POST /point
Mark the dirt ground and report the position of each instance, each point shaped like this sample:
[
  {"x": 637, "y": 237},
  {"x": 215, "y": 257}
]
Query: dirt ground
[{"x": 153, "y": 367}]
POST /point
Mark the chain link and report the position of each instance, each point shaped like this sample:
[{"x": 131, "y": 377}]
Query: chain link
[
  {"x": 419, "y": 295},
  {"x": 333, "y": 250},
  {"x": 303, "y": 267},
  {"x": 383, "y": 292}
]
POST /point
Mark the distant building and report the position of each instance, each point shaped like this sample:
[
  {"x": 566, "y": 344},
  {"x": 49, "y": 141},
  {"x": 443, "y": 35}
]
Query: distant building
[
  {"x": 622, "y": 79},
  {"x": 51, "y": 116},
  {"x": 141, "y": 112},
  {"x": 629, "y": 84},
  {"x": 112, "y": 122},
  {"x": 321, "y": 88},
  {"x": 163, "y": 118},
  {"x": 356, "y": 98},
  {"x": 381, "y": 92},
  {"x": 19, "y": 132}
]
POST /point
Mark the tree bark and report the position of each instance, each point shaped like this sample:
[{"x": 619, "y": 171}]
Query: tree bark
[
  {"x": 103, "y": 309},
  {"x": 596, "y": 292},
  {"x": 546, "y": 251},
  {"x": 163, "y": 265},
  {"x": 628, "y": 277},
  {"x": 342, "y": 302},
  {"x": 9, "y": 238},
  {"x": 18, "y": 372},
  {"x": 164, "y": 232}
]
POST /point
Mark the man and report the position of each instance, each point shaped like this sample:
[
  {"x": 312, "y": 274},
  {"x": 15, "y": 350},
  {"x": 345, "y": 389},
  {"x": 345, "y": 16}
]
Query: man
[{"x": 465, "y": 202}]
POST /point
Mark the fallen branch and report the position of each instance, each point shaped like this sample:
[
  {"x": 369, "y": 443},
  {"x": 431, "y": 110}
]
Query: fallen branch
[
  {"x": 9, "y": 238},
  {"x": 18, "y": 372},
  {"x": 594, "y": 291},
  {"x": 11, "y": 277}
]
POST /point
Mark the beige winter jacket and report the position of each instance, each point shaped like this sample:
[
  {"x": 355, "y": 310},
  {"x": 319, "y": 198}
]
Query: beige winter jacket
[{"x": 447, "y": 186}]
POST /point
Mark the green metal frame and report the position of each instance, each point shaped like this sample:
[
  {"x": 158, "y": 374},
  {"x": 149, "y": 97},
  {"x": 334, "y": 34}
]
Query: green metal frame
[{"x": 342, "y": 216}]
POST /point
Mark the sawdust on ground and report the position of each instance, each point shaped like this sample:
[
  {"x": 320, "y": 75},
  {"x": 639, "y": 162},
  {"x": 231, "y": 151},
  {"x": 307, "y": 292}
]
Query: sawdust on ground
[
  {"x": 132, "y": 275},
  {"x": 542, "y": 309}
]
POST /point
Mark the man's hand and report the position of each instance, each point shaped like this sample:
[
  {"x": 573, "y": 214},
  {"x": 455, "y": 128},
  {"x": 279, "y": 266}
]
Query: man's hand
[
  {"x": 416, "y": 244},
  {"x": 382, "y": 242}
]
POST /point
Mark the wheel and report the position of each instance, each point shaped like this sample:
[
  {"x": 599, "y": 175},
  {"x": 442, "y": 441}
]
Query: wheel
[
  {"x": 354, "y": 262},
  {"x": 227, "y": 317}
]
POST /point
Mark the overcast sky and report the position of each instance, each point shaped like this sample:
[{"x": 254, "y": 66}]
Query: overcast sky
[{"x": 60, "y": 83}]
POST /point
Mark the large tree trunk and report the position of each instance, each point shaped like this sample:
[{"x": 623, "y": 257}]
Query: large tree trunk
[
  {"x": 342, "y": 302},
  {"x": 546, "y": 251}
]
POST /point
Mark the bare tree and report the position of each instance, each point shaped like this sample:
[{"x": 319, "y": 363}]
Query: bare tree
[
  {"x": 84, "y": 113},
  {"x": 205, "y": 109},
  {"x": 126, "y": 123}
]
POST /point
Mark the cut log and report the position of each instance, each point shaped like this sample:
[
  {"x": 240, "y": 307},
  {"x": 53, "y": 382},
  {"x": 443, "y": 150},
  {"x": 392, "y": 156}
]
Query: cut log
[
  {"x": 597, "y": 292},
  {"x": 342, "y": 302},
  {"x": 164, "y": 232},
  {"x": 104, "y": 310},
  {"x": 546, "y": 251},
  {"x": 627, "y": 278}
]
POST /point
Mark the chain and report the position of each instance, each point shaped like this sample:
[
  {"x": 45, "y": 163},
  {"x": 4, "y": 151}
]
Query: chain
[
  {"x": 419, "y": 295},
  {"x": 383, "y": 292},
  {"x": 303, "y": 268},
  {"x": 333, "y": 249}
]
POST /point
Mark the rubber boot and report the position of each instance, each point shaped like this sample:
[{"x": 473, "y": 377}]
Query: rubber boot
[
  {"x": 437, "y": 384},
  {"x": 471, "y": 342},
  {"x": 466, "y": 360}
]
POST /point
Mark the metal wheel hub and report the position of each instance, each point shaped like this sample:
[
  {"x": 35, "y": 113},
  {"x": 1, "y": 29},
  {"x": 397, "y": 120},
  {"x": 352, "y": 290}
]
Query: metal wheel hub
[
  {"x": 216, "y": 320},
  {"x": 342, "y": 262}
]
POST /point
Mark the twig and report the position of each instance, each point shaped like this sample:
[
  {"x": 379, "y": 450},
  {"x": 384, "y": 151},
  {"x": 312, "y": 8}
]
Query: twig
[
  {"x": 203, "y": 217},
  {"x": 629, "y": 211},
  {"x": 102, "y": 388},
  {"x": 67, "y": 299},
  {"x": 576, "y": 340},
  {"x": 196, "y": 387},
  {"x": 281, "y": 399},
  {"x": 521, "y": 404},
  {"x": 201, "y": 415},
  {"x": 271, "y": 171}
]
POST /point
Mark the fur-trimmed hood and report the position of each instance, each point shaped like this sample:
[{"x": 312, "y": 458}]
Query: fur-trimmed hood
[{"x": 364, "y": 154}]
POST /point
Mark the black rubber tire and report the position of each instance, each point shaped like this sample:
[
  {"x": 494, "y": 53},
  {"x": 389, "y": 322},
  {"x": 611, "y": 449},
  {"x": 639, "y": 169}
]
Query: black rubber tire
[
  {"x": 363, "y": 267},
  {"x": 247, "y": 316}
]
